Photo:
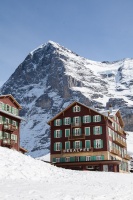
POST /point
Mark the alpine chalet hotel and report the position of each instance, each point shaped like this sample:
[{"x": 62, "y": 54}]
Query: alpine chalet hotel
[
  {"x": 86, "y": 139},
  {"x": 10, "y": 123}
]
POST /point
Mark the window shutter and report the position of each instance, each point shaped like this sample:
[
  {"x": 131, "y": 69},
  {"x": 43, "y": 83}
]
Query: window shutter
[
  {"x": 74, "y": 131},
  {"x": 89, "y": 118},
  {"x": 94, "y": 157},
  {"x": 79, "y": 108},
  {"x": 80, "y": 144},
  {"x": 79, "y": 119},
  {"x": 94, "y": 143},
  {"x": 64, "y": 121},
  {"x": 93, "y": 118},
  {"x": 100, "y": 129},
  {"x": 62, "y": 159},
  {"x": 60, "y": 146},
  {"x": 87, "y": 131},
  {"x": 54, "y": 159},
  {"x": 67, "y": 132},
  {"x": 101, "y": 143},
  {"x": 54, "y": 133},
  {"x": 73, "y": 145},
  {"x": 60, "y": 122},
  {"x": 54, "y": 146},
  {"x": 67, "y": 145},
  {"x": 55, "y": 122},
  {"x": 82, "y": 158},
  {"x": 70, "y": 120},
  {"x": 1, "y": 135},
  {"x": 94, "y": 130},
  {"x": 60, "y": 133},
  {"x": 87, "y": 143},
  {"x": 73, "y": 109},
  {"x": 102, "y": 157},
  {"x": 83, "y": 119},
  {"x": 99, "y": 118},
  {"x": 80, "y": 131},
  {"x": 0, "y": 119},
  {"x": 72, "y": 159}
]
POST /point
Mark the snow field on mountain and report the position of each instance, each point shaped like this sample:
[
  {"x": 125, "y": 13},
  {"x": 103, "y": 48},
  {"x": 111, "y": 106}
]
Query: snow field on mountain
[{"x": 24, "y": 178}]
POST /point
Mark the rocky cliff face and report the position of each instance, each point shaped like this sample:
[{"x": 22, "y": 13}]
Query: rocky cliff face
[{"x": 51, "y": 77}]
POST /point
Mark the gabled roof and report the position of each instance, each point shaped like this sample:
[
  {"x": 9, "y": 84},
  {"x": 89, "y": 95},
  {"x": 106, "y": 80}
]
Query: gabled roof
[
  {"x": 9, "y": 95},
  {"x": 74, "y": 103}
]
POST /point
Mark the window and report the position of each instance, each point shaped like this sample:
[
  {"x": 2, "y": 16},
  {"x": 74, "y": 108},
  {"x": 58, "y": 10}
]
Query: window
[
  {"x": 97, "y": 130},
  {"x": 57, "y": 159},
  {"x": 77, "y": 158},
  {"x": 77, "y": 131},
  {"x": 6, "y": 121},
  {"x": 57, "y": 146},
  {"x": 76, "y": 108},
  {"x": 76, "y": 121},
  {"x": 98, "y": 144},
  {"x": 98, "y": 157},
  {"x": 67, "y": 159},
  {"x": 77, "y": 144},
  {"x": 57, "y": 133},
  {"x": 86, "y": 119},
  {"x": 67, "y": 132},
  {"x": 14, "y": 123},
  {"x": 67, "y": 121},
  {"x": 88, "y": 158},
  {"x": 87, "y": 131},
  {"x": 6, "y": 135},
  {"x": 57, "y": 122},
  {"x": 97, "y": 118},
  {"x": 8, "y": 108}
]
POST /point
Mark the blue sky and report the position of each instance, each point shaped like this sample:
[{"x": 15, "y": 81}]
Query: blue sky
[{"x": 100, "y": 30}]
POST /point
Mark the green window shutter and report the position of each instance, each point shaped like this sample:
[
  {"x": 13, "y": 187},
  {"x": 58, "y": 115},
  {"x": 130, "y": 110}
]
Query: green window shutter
[
  {"x": 54, "y": 146},
  {"x": 93, "y": 118},
  {"x": 83, "y": 119},
  {"x": 1, "y": 135},
  {"x": 101, "y": 143},
  {"x": 0, "y": 119},
  {"x": 94, "y": 130},
  {"x": 60, "y": 133},
  {"x": 80, "y": 144},
  {"x": 89, "y": 118},
  {"x": 54, "y": 133},
  {"x": 60, "y": 122},
  {"x": 70, "y": 120},
  {"x": 102, "y": 157},
  {"x": 67, "y": 132},
  {"x": 87, "y": 131},
  {"x": 74, "y": 131},
  {"x": 54, "y": 122},
  {"x": 73, "y": 145},
  {"x": 54, "y": 159},
  {"x": 64, "y": 121},
  {"x": 73, "y": 109},
  {"x": 2, "y": 106},
  {"x": 94, "y": 143},
  {"x": 80, "y": 131},
  {"x": 94, "y": 157},
  {"x": 67, "y": 145},
  {"x": 62, "y": 159},
  {"x": 82, "y": 158},
  {"x": 3, "y": 119},
  {"x": 100, "y": 129},
  {"x": 99, "y": 118},
  {"x": 72, "y": 159},
  {"x": 60, "y": 145},
  {"x": 87, "y": 143}
]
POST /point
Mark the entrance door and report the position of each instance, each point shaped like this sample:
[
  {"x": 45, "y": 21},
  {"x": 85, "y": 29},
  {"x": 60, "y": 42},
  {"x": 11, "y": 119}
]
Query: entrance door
[{"x": 105, "y": 168}]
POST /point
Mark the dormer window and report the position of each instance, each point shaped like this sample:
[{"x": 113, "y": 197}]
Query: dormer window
[
  {"x": 76, "y": 108},
  {"x": 7, "y": 108}
]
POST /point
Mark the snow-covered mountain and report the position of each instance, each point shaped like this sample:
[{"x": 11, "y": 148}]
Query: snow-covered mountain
[
  {"x": 22, "y": 177},
  {"x": 51, "y": 77}
]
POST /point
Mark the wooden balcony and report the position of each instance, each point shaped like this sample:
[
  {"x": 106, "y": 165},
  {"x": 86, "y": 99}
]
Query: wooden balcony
[
  {"x": 76, "y": 124},
  {"x": 119, "y": 131},
  {"x": 119, "y": 142},
  {"x": 116, "y": 151},
  {"x": 76, "y": 137},
  {"x": 127, "y": 157},
  {"x": 8, "y": 142},
  {"x": 9, "y": 127}
]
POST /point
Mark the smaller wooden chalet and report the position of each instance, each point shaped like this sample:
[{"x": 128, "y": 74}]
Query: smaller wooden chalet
[
  {"x": 83, "y": 138},
  {"x": 10, "y": 123}
]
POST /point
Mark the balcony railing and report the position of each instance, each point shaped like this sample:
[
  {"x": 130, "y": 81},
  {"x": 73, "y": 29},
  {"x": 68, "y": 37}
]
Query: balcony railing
[
  {"x": 119, "y": 131},
  {"x": 120, "y": 142},
  {"x": 9, "y": 127},
  {"x": 8, "y": 142},
  {"x": 116, "y": 151},
  {"x": 75, "y": 137},
  {"x": 127, "y": 157}
]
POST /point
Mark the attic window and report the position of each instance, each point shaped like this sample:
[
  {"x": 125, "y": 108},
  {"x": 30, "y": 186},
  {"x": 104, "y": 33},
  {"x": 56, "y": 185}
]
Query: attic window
[{"x": 76, "y": 108}]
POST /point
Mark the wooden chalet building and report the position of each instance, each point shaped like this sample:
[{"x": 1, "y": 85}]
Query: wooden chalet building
[
  {"x": 10, "y": 123},
  {"x": 86, "y": 139}
]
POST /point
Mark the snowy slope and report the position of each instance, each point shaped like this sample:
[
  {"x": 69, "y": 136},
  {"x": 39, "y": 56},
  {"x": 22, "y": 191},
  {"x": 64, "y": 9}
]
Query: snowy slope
[
  {"x": 51, "y": 77},
  {"x": 24, "y": 178}
]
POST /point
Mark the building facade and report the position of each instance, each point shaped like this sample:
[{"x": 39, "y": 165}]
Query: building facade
[
  {"x": 10, "y": 123},
  {"x": 86, "y": 139}
]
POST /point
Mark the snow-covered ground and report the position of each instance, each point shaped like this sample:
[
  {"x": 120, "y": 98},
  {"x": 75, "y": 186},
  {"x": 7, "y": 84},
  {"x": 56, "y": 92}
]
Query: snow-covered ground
[{"x": 25, "y": 178}]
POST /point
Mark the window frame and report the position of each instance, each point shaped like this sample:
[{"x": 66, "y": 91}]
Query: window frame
[
  {"x": 76, "y": 108},
  {"x": 59, "y": 147},
  {"x": 67, "y": 119}
]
